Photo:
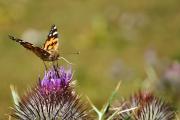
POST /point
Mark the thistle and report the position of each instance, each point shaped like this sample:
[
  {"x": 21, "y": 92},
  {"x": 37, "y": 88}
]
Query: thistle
[
  {"x": 52, "y": 99},
  {"x": 149, "y": 108}
]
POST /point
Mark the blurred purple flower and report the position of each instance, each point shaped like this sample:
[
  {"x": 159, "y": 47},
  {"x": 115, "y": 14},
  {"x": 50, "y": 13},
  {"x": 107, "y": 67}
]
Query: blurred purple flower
[
  {"x": 170, "y": 79},
  {"x": 170, "y": 82},
  {"x": 172, "y": 74}
]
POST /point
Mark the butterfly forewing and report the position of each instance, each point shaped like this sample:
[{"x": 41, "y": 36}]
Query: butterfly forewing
[
  {"x": 49, "y": 52},
  {"x": 37, "y": 50},
  {"x": 52, "y": 41}
]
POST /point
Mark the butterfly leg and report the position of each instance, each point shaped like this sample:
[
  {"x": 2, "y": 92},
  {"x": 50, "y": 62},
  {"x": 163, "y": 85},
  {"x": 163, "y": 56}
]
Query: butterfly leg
[
  {"x": 45, "y": 65},
  {"x": 55, "y": 68},
  {"x": 65, "y": 60},
  {"x": 53, "y": 63},
  {"x": 57, "y": 63}
]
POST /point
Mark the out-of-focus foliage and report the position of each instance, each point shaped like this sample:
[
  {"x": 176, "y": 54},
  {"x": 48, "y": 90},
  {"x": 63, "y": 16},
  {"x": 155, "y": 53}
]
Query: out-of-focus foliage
[{"x": 117, "y": 39}]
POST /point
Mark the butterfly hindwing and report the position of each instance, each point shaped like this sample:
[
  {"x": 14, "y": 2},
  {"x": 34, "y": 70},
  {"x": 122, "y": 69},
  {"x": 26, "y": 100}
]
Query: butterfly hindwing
[{"x": 52, "y": 41}]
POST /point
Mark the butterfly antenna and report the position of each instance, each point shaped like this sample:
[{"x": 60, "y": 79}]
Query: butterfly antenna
[
  {"x": 65, "y": 60},
  {"x": 11, "y": 37},
  {"x": 76, "y": 53},
  {"x": 45, "y": 65},
  {"x": 15, "y": 39}
]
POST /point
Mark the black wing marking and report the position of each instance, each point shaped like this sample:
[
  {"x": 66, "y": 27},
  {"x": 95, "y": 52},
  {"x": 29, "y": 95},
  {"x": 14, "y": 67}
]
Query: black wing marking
[
  {"x": 52, "y": 33},
  {"x": 52, "y": 42}
]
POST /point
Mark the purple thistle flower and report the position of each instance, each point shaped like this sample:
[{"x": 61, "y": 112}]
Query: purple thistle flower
[
  {"x": 52, "y": 99},
  {"x": 55, "y": 80}
]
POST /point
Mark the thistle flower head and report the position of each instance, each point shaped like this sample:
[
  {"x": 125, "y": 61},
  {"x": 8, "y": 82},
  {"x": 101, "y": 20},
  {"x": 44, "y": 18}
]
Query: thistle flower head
[
  {"x": 149, "y": 108},
  {"x": 52, "y": 99},
  {"x": 55, "y": 80},
  {"x": 141, "y": 98},
  {"x": 156, "y": 110}
]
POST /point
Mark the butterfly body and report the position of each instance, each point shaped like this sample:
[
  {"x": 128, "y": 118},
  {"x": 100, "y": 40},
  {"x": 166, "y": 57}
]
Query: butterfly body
[
  {"x": 52, "y": 57},
  {"x": 49, "y": 52}
]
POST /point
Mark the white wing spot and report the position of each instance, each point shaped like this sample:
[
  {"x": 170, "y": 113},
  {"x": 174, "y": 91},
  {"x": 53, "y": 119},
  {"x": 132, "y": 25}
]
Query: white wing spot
[
  {"x": 54, "y": 27},
  {"x": 55, "y": 33}
]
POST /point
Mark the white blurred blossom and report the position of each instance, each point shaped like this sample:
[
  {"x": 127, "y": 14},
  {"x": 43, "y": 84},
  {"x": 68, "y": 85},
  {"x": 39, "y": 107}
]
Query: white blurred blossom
[
  {"x": 33, "y": 36},
  {"x": 151, "y": 57},
  {"x": 130, "y": 24}
]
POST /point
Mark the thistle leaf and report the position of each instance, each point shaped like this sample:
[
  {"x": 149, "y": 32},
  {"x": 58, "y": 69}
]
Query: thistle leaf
[{"x": 15, "y": 95}]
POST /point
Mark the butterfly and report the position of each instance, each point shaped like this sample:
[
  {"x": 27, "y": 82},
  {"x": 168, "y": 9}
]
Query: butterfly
[{"x": 49, "y": 51}]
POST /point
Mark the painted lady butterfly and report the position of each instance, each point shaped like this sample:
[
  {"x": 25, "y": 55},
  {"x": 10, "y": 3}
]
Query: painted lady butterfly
[{"x": 49, "y": 52}]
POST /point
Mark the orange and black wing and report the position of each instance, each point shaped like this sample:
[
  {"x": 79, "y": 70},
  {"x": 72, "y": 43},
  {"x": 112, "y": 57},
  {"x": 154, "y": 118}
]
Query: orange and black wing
[
  {"x": 52, "y": 42},
  {"x": 37, "y": 50}
]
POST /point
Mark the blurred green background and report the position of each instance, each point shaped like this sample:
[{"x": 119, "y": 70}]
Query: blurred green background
[{"x": 118, "y": 40}]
